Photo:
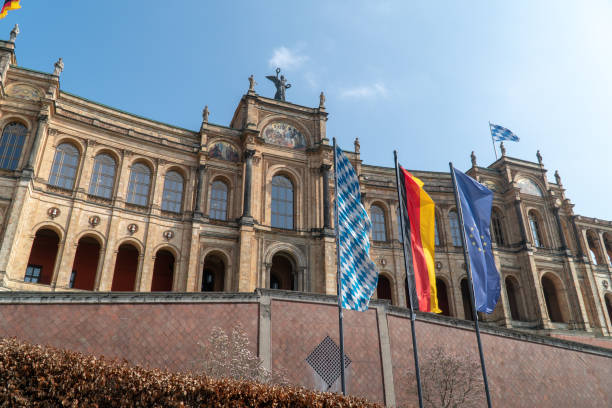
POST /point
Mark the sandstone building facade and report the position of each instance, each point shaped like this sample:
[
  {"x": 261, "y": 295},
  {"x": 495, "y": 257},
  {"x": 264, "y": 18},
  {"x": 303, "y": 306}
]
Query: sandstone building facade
[{"x": 96, "y": 199}]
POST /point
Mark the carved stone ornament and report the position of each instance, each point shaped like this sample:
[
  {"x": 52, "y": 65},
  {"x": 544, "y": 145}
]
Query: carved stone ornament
[
  {"x": 132, "y": 228},
  {"x": 53, "y": 212},
  {"x": 438, "y": 265},
  {"x": 605, "y": 284},
  {"x": 168, "y": 235},
  {"x": 94, "y": 220},
  {"x": 383, "y": 261}
]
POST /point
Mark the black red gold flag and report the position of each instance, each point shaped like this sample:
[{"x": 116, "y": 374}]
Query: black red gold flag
[{"x": 9, "y": 5}]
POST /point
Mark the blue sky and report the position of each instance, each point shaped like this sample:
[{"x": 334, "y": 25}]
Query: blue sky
[{"x": 421, "y": 77}]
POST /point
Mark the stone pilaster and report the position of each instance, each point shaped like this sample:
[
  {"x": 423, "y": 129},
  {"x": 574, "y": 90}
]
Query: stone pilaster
[
  {"x": 248, "y": 175},
  {"x": 43, "y": 120},
  {"x": 326, "y": 210},
  {"x": 199, "y": 186}
]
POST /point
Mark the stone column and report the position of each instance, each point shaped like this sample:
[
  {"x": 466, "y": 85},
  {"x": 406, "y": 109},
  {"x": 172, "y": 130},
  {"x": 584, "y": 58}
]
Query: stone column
[
  {"x": 579, "y": 247},
  {"x": 602, "y": 248},
  {"x": 29, "y": 167},
  {"x": 246, "y": 208},
  {"x": 521, "y": 221},
  {"x": 560, "y": 228},
  {"x": 326, "y": 211},
  {"x": 199, "y": 186}
]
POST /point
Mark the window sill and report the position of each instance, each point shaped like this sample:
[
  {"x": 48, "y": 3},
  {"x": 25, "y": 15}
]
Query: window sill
[
  {"x": 136, "y": 207},
  {"x": 60, "y": 190}
]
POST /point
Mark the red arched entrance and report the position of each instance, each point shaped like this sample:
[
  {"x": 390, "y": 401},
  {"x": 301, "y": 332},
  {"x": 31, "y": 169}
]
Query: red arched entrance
[
  {"x": 42, "y": 257},
  {"x": 126, "y": 266},
  {"x": 163, "y": 272},
  {"x": 85, "y": 264}
]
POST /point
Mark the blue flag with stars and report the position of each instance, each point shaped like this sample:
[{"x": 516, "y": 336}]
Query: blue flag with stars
[{"x": 476, "y": 202}]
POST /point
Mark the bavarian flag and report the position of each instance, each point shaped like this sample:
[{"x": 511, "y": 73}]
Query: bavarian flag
[
  {"x": 417, "y": 210},
  {"x": 9, "y": 5}
]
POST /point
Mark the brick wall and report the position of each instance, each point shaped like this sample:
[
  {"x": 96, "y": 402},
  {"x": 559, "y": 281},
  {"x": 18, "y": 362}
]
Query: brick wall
[{"x": 163, "y": 330}]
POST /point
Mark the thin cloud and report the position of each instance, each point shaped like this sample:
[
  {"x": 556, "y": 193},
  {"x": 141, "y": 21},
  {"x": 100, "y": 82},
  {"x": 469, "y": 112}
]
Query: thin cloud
[
  {"x": 377, "y": 89},
  {"x": 284, "y": 58}
]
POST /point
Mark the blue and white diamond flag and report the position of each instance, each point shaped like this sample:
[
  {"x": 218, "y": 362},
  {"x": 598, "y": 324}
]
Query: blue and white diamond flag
[
  {"x": 358, "y": 274},
  {"x": 500, "y": 133}
]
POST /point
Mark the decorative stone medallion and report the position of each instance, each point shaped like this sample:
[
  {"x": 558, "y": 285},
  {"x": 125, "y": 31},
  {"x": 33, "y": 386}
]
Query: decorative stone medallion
[
  {"x": 132, "y": 228},
  {"x": 168, "y": 235},
  {"x": 283, "y": 134},
  {"x": 53, "y": 212},
  {"x": 94, "y": 220}
]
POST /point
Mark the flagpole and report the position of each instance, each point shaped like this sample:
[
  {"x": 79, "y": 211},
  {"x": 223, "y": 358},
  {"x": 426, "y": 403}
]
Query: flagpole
[
  {"x": 466, "y": 257},
  {"x": 408, "y": 267},
  {"x": 493, "y": 141},
  {"x": 340, "y": 316}
]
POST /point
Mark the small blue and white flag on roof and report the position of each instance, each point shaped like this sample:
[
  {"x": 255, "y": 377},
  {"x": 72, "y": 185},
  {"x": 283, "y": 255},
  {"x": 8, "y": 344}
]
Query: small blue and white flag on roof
[
  {"x": 358, "y": 274},
  {"x": 499, "y": 133}
]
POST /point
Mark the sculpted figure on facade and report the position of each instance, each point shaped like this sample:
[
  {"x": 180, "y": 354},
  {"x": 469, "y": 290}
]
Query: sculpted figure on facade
[
  {"x": 59, "y": 67},
  {"x": 280, "y": 84},
  {"x": 14, "y": 33}
]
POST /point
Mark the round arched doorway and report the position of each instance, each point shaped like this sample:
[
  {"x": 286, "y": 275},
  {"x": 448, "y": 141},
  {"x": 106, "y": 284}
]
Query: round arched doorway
[
  {"x": 282, "y": 272},
  {"x": 213, "y": 275}
]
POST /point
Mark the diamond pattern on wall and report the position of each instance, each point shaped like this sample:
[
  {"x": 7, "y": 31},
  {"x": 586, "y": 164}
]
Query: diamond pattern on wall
[{"x": 324, "y": 360}]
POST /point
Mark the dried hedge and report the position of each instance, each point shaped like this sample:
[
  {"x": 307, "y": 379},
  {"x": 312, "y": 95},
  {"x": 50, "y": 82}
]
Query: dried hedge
[{"x": 37, "y": 376}]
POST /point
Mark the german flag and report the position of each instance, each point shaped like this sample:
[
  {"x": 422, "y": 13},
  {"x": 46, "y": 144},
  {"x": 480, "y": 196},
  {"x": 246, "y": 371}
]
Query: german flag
[
  {"x": 9, "y": 5},
  {"x": 419, "y": 214}
]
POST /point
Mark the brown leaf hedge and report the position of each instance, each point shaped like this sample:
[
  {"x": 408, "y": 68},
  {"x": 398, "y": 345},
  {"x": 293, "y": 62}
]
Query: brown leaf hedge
[{"x": 41, "y": 376}]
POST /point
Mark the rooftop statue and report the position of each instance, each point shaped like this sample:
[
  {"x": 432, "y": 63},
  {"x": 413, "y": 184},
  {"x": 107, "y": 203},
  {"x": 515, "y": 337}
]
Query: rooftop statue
[
  {"x": 281, "y": 85},
  {"x": 59, "y": 67}
]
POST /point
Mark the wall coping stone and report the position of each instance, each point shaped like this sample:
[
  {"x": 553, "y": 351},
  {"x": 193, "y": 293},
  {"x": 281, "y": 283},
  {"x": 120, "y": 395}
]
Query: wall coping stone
[{"x": 285, "y": 295}]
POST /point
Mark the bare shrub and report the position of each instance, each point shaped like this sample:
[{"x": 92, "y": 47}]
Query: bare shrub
[
  {"x": 228, "y": 356},
  {"x": 449, "y": 380}
]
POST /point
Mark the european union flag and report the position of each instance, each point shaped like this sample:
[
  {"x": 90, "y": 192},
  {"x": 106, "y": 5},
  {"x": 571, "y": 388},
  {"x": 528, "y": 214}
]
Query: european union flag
[{"x": 476, "y": 202}]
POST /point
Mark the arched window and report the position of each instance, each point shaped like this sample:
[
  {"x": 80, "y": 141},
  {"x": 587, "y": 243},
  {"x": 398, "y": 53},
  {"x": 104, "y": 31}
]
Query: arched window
[
  {"x": 608, "y": 246},
  {"x": 11, "y": 145},
  {"x": 65, "y": 165},
  {"x": 536, "y": 233},
  {"x": 103, "y": 176},
  {"x": 140, "y": 182},
  {"x": 173, "y": 192},
  {"x": 512, "y": 290},
  {"x": 551, "y": 289},
  {"x": 282, "y": 202},
  {"x": 218, "y": 200},
  {"x": 593, "y": 243},
  {"x": 436, "y": 232},
  {"x": 496, "y": 228},
  {"x": 455, "y": 231},
  {"x": 379, "y": 232}
]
